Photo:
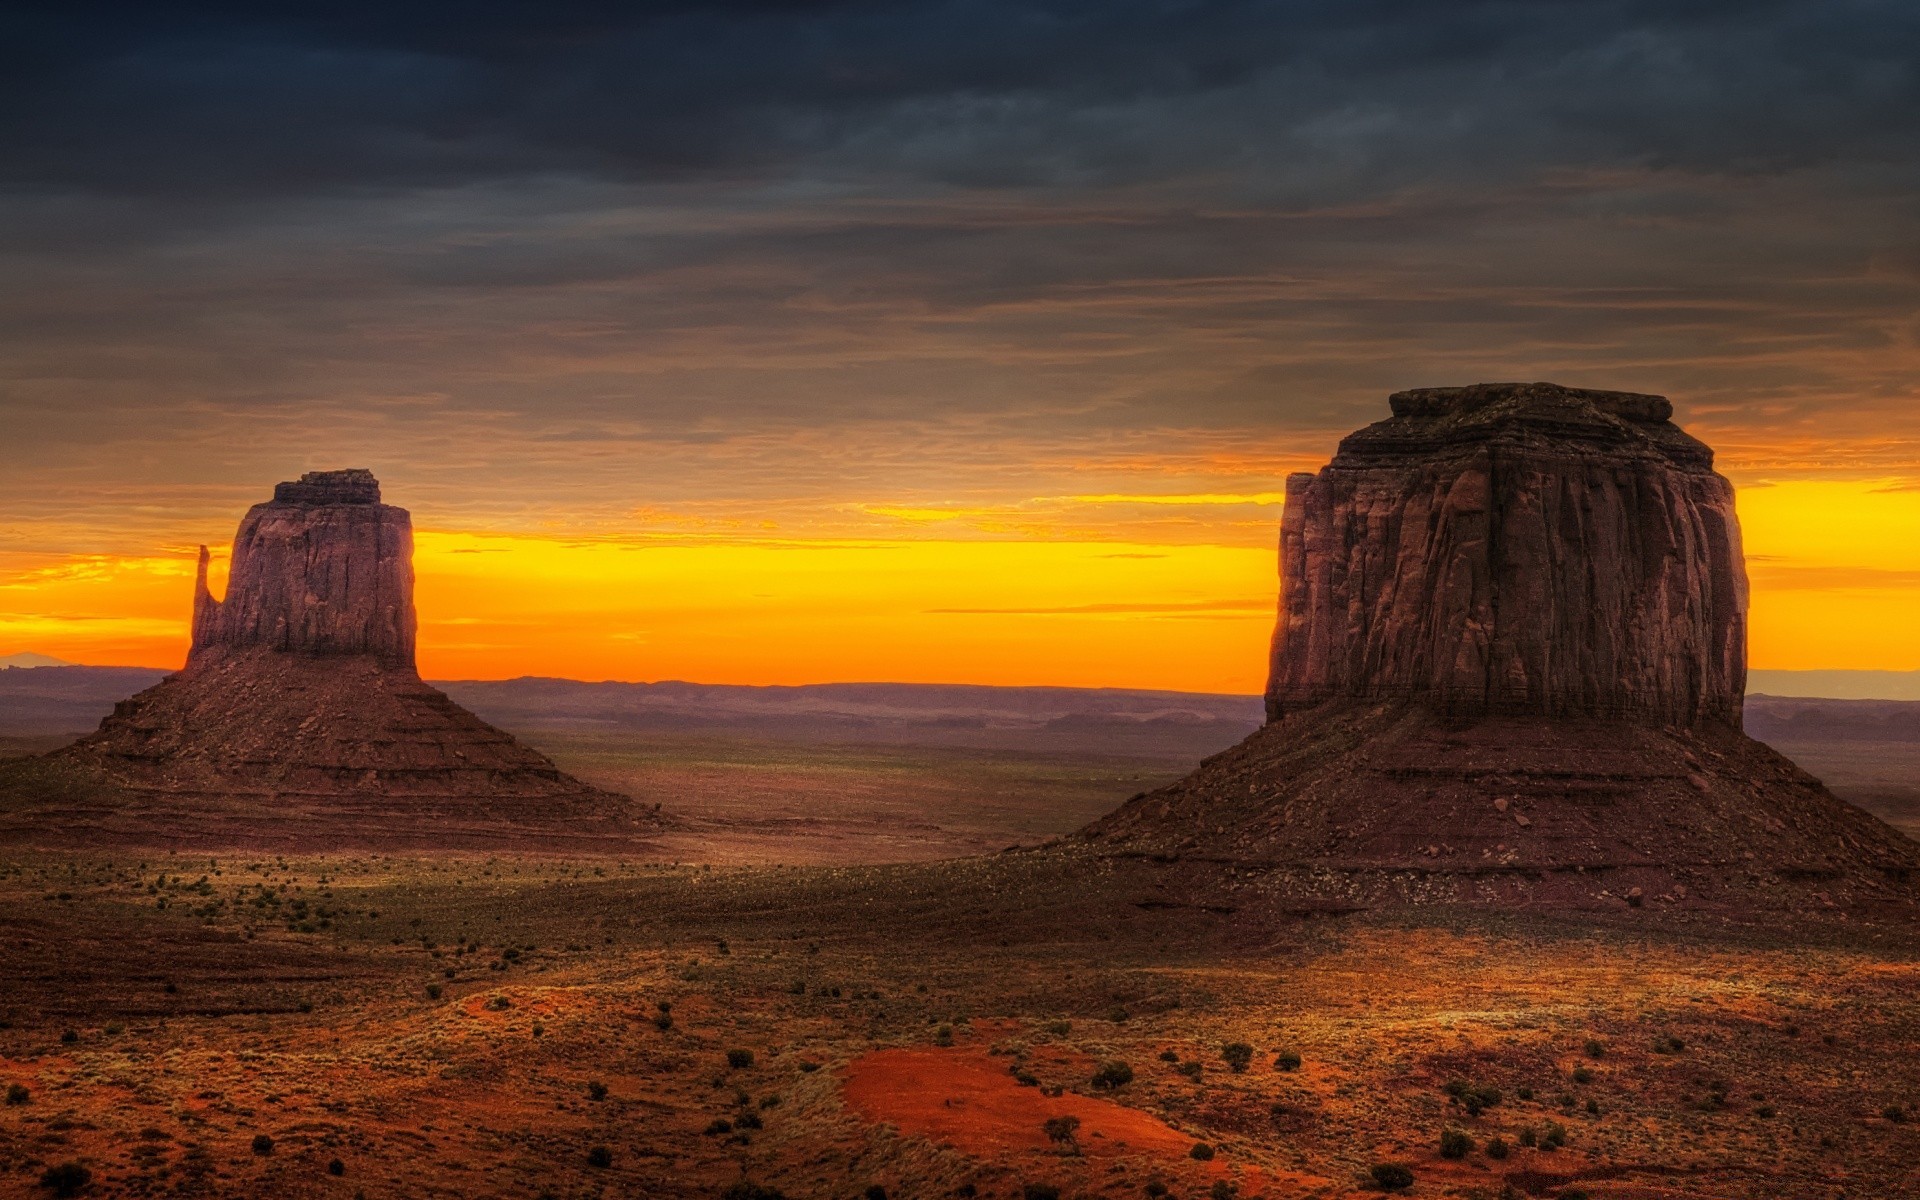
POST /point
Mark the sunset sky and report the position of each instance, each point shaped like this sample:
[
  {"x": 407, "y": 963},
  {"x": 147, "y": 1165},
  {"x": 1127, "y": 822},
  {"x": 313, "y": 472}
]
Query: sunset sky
[{"x": 969, "y": 341}]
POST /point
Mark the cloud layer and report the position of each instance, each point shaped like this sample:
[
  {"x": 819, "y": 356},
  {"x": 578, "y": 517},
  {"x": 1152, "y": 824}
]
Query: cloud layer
[{"x": 786, "y": 270}]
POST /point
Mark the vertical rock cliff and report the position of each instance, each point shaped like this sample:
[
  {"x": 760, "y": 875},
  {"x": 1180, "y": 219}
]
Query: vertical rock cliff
[
  {"x": 1515, "y": 548},
  {"x": 322, "y": 568},
  {"x": 1508, "y": 668}
]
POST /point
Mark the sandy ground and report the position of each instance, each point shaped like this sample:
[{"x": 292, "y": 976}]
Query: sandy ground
[{"x": 438, "y": 1026}]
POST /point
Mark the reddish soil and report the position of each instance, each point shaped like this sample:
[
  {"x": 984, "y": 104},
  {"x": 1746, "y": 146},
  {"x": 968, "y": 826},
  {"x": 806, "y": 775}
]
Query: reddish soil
[{"x": 969, "y": 1100}]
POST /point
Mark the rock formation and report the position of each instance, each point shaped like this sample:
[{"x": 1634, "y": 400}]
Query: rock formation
[
  {"x": 299, "y": 719},
  {"x": 1508, "y": 666},
  {"x": 322, "y": 568},
  {"x": 1515, "y": 549}
]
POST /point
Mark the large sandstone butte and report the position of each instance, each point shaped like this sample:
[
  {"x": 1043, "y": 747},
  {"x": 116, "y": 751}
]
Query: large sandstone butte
[
  {"x": 1508, "y": 667},
  {"x": 300, "y": 720}
]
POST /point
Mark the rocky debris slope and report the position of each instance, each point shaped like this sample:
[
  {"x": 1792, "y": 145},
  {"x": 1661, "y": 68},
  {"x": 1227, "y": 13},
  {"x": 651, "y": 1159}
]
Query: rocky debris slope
[
  {"x": 299, "y": 718},
  {"x": 1508, "y": 668}
]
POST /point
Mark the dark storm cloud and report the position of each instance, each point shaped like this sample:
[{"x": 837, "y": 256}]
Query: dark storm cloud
[
  {"x": 1312, "y": 100},
  {"x": 599, "y": 256}
]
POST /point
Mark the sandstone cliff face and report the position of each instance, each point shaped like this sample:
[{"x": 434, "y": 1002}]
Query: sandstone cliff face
[
  {"x": 1520, "y": 549},
  {"x": 1508, "y": 670},
  {"x": 322, "y": 568}
]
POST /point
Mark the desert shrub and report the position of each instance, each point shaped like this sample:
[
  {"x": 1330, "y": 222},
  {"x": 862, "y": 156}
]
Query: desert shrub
[
  {"x": 943, "y": 1036},
  {"x": 70, "y": 1036},
  {"x": 748, "y": 1120},
  {"x": 1117, "y": 1014},
  {"x": 1039, "y": 1191},
  {"x": 1555, "y": 1137},
  {"x": 1497, "y": 1148},
  {"x": 336, "y": 1167},
  {"x": 1525, "y": 1093},
  {"x": 875, "y": 1192},
  {"x": 1391, "y": 1177},
  {"x": 17, "y": 1093},
  {"x": 1058, "y": 1028},
  {"x": 1112, "y": 1074},
  {"x": 66, "y": 1179},
  {"x": 739, "y": 1059},
  {"x": 770, "y": 1101},
  {"x": 1024, "y": 1077},
  {"x": 499, "y": 1004},
  {"x": 596, "y": 1090},
  {"x": 1529, "y": 1137},
  {"x": 1582, "y": 1075},
  {"x": 262, "y": 1144},
  {"x": 1894, "y": 1113},
  {"x": 718, "y": 1126},
  {"x": 1192, "y": 1070},
  {"x": 1237, "y": 1055},
  {"x": 1156, "y": 1189},
  {"x": 752, "y": 1191},
  {"x": 1595, "y": 1048},
  {"x": 1060, "y": 1130},
  {"x": 798, "y": 987},
  {"x": 809, "y": 1067},
  {"x": 663, "y": 1020},
  {"x": 1668, "y": 1045},
  {"x": 1454, "y": 1143},
  {"x": 599, "y": 1156},
  {"x": 1765, "y": 1111},
  {"x": 1593, "y": 1106},
  {"x": 1287, "y": 1061},
  {"x": 539, "y": 1029},
  {"x": 1201, "y": 1152},
  {"x": 1573, "y": 1194},
  {"x": 434, "y": 991},
  {"x": 1169, "y": 1056},
  {"x": 1222, "y": 1190},
  {"x": 1474, "y": 1098}
]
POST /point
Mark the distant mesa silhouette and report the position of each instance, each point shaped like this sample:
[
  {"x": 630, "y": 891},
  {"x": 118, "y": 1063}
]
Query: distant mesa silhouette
[
  {"x": 1508, "y": 667},
  {"x": 300, "y": 719}
]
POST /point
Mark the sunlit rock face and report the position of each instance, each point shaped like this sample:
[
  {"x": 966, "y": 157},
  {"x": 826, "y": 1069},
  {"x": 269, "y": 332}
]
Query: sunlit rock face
[
  {"x": 322, "y": 568},
  {"x": 1515, "y": 549}
]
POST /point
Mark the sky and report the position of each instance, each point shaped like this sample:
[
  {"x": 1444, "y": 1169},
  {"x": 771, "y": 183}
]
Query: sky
[{"x": 775, "y": 342}]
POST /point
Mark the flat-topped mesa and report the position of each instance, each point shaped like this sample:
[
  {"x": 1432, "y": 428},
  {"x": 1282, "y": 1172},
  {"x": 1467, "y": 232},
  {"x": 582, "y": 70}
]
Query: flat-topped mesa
[
  {"x": 323, "y": 568},
  {"x": 1520, "y": 549}
]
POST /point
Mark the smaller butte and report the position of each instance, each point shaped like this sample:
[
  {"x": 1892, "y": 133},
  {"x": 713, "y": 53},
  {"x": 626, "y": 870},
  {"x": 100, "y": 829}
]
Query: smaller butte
[{"x": 300, "y": 720}]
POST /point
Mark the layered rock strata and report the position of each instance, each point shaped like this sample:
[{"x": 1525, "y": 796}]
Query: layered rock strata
[
  {"x": 323, "y": 568},
  {"x": 1508, "y": 668},
  {"x": 1515, "y": 548}
]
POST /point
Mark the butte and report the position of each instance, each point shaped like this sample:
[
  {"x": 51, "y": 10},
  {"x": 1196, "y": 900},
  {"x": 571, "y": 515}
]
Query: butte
[
  {"x": 300, "y": 721},
  {"x": 1508, "y": 669}
]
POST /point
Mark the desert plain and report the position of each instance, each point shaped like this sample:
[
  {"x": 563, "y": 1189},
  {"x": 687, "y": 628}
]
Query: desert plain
[{"x": 1026, "y": 1023}]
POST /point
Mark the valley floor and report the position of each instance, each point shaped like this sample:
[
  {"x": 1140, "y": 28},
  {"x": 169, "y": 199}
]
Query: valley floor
[{"x": 256, "y": 1026}]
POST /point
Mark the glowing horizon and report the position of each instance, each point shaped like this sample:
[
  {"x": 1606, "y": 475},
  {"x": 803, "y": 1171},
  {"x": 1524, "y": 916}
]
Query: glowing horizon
[{"x": 1833, "y": 564}]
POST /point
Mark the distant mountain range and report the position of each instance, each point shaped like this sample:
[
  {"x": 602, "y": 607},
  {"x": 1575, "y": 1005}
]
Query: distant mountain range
[
  {"x": 30, "y": 659},
  {"x": 53, "y": 700},
  {"x": 46, "y": 700}
]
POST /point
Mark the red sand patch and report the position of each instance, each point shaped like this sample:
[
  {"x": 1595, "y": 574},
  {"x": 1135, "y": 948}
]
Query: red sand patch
[{"x": 969, "y": 1101}]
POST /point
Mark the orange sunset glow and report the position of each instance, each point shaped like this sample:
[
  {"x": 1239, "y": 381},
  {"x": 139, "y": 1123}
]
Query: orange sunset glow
[{"x": 1833, "y": 567}]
